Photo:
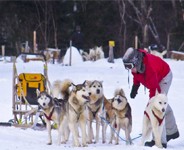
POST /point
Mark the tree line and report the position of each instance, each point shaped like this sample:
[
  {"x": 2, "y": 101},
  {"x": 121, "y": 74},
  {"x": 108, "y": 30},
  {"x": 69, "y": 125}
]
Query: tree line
[{"x": 158, "y": 22}]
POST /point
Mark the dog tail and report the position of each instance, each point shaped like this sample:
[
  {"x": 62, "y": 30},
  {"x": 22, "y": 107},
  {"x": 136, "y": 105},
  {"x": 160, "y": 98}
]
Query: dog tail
[
  {"x": 65, "y": 84},
  {"x": 61, "y": 88}
]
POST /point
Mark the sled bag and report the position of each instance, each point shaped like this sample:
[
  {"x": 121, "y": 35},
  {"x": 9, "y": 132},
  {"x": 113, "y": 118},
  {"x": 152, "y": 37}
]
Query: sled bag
[{"x": 29, "y": 82}]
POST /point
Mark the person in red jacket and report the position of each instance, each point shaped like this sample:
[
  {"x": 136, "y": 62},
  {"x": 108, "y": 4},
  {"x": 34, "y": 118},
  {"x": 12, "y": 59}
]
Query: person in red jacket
[{"x": 155, "y": 74}]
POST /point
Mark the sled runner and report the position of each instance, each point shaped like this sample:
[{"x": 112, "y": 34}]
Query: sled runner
[{"x": 24, "y": 97}]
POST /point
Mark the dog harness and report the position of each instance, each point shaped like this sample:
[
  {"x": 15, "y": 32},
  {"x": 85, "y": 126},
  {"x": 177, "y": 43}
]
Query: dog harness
[
  {"x": 50, "y": 115},
  {"x": 76, "y": 112},
  {"x": 97, "y": 103},
  {"x": 126, "y": 115},
  {"x": 159, "y": 120},
  {"x": 94, "y": 112}
]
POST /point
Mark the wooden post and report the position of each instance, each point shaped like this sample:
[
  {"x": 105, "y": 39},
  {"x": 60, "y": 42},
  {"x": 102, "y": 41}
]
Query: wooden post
[
  {"x": 136, "y": 42},
  {"x": 26, "y": 47},
  {"x": 34, "y": 42},
  {"x": 168, "y": 45},
  {"x": 111, "y": 53},
  {"x": 70, "y": 59},
  {"x": 13, "y": 89},
  {"x": 3, "y": 52}
]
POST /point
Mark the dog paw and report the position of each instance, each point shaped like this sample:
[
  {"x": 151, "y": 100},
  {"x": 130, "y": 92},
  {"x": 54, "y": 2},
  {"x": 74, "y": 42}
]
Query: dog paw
[
  {"x": 49, "y": 143},
  {"x": 159, "y": 146},
  {"x": 84, "y": 145},
  {"x": 129, "y": 143},
  {"x": 77, "y": 145},
  {"x": 103, "y": 142},
  {"x": 89, "y": 142},
  {"x": 63, "y": 142}
]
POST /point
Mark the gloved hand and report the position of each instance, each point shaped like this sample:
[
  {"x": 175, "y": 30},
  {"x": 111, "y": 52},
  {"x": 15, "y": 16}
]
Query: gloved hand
[{"x": 134, "y": 91}]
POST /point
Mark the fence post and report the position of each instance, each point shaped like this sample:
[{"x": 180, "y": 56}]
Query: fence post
[
  {"x": 26, "y": 47},
  {"x": 3, "y": 52},
  {"x": 34, "y": 42},
  {"x": 70, "y": 59},
  {"x": 111, "y": 53},
  {"x": 136, "y": 42}
]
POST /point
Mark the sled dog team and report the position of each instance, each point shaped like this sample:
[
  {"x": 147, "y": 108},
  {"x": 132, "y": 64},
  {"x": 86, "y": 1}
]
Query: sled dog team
[{"x": 73, "y": 105}]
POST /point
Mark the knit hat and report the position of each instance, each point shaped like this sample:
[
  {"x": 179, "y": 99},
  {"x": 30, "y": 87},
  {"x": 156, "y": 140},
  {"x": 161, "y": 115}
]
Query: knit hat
[{"x": 135, "y": 57}]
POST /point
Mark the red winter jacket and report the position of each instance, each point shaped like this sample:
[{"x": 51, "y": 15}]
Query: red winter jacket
[{"x": 155, "y": 70}]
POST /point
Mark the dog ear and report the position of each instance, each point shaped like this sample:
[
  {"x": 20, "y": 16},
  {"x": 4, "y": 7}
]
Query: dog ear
[
  {"x": 110, "y": 100},
  {"x": 73, "y": 87},
  {"x": 84, "y": 83},
  {"x": 156, "y": 92},
  {"x": 37, "y": 92},
  {"x": 121, "y": 92},
  {"x": 87, "y": 82},
  {"x": 101, "y": 82},
  {"x": 164, "y": 93}
]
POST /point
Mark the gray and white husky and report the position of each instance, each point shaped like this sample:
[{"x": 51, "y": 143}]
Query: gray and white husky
[
  {"x": 122, "y": 116},
  {"x": 76, "y": 112},
  {"x": 95, "y": 109},
  {"x": 54, "y": 110}
]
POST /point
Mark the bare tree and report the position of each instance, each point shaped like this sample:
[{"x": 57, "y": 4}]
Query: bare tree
[
  {"x": 44, "y": 18},
  {"x": 55, "y": 30},
  {"x": 143, "y": 15},
  {"x": 123, "y": 29},
  {"x": 182, "y": 7}
]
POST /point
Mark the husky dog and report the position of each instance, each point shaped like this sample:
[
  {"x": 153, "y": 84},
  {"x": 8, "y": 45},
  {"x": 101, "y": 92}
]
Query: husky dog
[
  {"x": 92, "y": 54},
  {"x": 94, "y": 108},
  {"x": 54, "y": 110},
  {"x": 123, "y": 116},
  {"x": 154, "y": 118},
  {"x": 99, "y": 52},
  {"x": 61, "y": 89},
  {"x": 85, "y": 55},
  {"x": 96, "y": 53},
  {"x": 78, "y": 99}
]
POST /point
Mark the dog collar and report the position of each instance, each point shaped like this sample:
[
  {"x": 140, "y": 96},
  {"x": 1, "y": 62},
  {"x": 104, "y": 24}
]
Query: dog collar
[{"x": 50, "y": 115}]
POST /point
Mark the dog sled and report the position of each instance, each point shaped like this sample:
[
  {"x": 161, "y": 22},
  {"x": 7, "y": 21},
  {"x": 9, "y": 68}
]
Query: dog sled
[{"x": 25, "y": 84}]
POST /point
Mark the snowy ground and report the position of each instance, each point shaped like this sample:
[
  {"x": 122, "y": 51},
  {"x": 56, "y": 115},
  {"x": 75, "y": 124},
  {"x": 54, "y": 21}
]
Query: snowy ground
[{"x": 113, "y": 75}]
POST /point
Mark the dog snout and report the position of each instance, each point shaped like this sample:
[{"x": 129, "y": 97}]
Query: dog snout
[
  {"x": 163, "y": 109},
  {"x": 44, "y": 104},
  {"x": 119, "y": 101},
  {"x": 98, "y": 91}
]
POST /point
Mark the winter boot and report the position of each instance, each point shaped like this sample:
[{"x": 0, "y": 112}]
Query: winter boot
[
  {"x": 152, "y": 143},
  {"x": 172, "y": 136}
]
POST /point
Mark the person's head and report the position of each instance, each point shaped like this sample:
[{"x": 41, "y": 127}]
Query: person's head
[
  {"x": 132, "y": 60},
  {"x": 78, "y": 28}
]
